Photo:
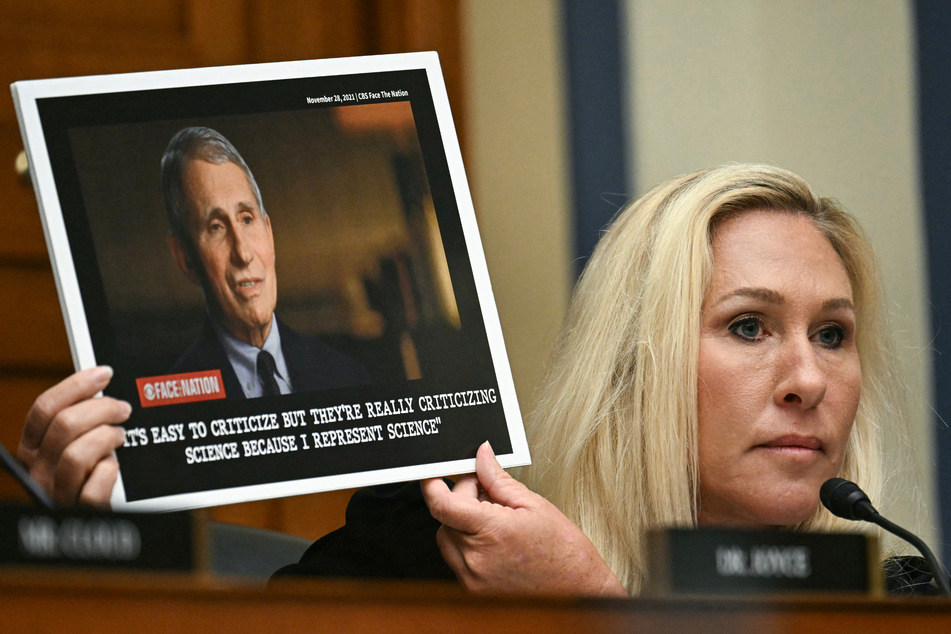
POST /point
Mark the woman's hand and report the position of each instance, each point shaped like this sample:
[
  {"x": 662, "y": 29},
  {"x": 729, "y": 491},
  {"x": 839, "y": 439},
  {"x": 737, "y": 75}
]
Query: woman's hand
[
  {"x": 69, "y": 437},
  {"x": 498, "y": 536}
]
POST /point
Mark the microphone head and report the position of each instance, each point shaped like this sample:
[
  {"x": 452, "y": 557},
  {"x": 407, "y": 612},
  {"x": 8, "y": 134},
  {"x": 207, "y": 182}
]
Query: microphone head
[{"x": 846, "y": 500}]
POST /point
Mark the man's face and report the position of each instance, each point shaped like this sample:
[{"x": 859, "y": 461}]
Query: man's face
[{"x": 234, "y": 246}]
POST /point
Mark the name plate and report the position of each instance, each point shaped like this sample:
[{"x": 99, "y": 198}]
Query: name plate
[
  {"x": 730, "y": 561},
  {"x": 94, "y": 539}
]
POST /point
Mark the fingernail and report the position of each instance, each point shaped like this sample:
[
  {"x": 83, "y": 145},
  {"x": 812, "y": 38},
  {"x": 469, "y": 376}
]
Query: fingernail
[
  {"x": 489, "y": 445},
  {"x": 127, "y": 407},
  {"x": 102, "y": 374}
]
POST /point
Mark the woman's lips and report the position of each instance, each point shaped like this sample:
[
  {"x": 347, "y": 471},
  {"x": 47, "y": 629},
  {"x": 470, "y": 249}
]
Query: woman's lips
[{"x": 793, "y": 444}]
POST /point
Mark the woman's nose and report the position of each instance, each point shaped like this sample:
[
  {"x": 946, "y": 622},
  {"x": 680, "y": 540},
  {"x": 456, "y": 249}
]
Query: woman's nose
[{"x": 802, "y": 379}]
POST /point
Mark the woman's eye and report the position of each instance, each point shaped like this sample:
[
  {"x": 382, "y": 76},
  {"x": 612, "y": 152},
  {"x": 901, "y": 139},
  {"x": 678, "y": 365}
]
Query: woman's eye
[
  {"x": 831, "y": 336},
  {"x": 748, "y": 328}
]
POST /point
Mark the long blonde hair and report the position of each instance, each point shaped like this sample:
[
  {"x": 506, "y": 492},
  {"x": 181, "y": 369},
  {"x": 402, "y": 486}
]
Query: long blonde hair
[{"x": 614, "y": 432}]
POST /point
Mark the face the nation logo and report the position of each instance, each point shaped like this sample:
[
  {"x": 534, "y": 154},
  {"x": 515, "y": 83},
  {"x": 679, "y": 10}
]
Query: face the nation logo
[{"x": 171, "y": 389}]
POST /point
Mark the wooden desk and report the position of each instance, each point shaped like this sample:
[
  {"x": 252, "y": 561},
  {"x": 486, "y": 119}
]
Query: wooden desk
[{"x": 56, "y": 601}]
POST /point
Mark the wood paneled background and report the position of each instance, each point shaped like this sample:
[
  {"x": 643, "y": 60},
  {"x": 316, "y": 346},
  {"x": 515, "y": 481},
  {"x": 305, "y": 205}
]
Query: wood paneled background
[{"x": 56, "y": 38}]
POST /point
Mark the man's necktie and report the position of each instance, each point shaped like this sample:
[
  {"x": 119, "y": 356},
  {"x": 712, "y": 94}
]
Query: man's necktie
[{"x": 266, "y": 370}]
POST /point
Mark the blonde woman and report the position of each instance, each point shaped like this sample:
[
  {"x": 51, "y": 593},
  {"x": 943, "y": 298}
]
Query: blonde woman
[{"x": 723, "y": 355}]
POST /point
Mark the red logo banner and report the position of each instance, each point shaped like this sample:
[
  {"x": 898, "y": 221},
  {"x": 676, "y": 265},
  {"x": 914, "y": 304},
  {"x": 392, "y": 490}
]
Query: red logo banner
[{"x": 188, "y": 387}]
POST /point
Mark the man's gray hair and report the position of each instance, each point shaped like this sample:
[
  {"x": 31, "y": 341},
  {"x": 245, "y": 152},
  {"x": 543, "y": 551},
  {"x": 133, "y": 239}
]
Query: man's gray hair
[{"x": 189, "y": 144}]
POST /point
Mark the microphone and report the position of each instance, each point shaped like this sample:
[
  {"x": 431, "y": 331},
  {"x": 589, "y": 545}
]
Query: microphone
[
  {"x": 846, "y": 500},
  {"x": 14, "y": 468}
]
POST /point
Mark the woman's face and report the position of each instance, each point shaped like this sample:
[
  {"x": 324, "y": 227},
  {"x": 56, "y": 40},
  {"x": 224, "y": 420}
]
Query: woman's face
[{"x": 779, "y": 373}]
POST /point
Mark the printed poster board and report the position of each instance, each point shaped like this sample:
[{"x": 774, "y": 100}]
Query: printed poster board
[{"x": 348, "y": 230}]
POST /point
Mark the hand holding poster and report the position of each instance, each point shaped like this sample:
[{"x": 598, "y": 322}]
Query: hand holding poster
[{"x": 281, "y": 264}]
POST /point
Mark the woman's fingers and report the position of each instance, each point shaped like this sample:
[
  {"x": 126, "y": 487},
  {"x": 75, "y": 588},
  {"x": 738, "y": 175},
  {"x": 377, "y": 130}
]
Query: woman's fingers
[{"x": 69, "y": 437}]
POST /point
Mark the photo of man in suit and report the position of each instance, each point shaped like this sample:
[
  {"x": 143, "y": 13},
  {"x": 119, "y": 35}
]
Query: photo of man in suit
[{"x": 221, "y": 238}]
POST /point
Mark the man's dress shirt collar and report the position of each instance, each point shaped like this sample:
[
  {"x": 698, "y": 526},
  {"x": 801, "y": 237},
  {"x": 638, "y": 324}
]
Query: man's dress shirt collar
[{"x": 244, "y": 360}]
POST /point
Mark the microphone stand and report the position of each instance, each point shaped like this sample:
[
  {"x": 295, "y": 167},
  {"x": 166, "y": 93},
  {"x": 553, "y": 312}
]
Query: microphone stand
[
  {"x": 940, "y": 574},
  {"x": 847, "y": 500}
]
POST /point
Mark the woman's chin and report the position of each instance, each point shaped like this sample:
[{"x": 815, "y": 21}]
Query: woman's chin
[
  {"x": 764, "y": 511},
  {"x": 786, "y": 512}
]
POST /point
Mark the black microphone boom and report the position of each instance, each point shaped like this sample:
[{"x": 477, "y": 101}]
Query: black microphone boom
[
  {"x": 846, "y": 500},
  {"x": 14, "y": 468}
]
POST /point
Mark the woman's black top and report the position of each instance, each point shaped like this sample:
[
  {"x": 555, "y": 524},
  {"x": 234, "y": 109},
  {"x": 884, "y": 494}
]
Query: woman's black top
[{"x": 389, "y": 534}]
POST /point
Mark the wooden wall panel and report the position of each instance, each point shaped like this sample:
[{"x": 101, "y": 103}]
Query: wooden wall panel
[
  {"x": 217, "y": 32},
  {"x": 67, "y": 44},
  {"x": 307, "y": 29},
  {"x": 31, "y": 315},
  {"x": 22, "y": 237},
  {"x": 97, "y": 14},
  {"x": 56, "y": 38}
]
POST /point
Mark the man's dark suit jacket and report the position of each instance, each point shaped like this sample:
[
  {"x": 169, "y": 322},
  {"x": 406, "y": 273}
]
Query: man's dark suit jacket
[{"x": 313, "y": 365}]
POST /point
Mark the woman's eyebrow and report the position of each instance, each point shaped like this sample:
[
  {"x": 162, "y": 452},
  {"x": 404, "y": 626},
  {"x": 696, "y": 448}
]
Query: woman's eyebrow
[
  {"x": 837, "y": 303},
  {"x": 771, "y": 296},
  {"x": 764, "y": 294}
]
